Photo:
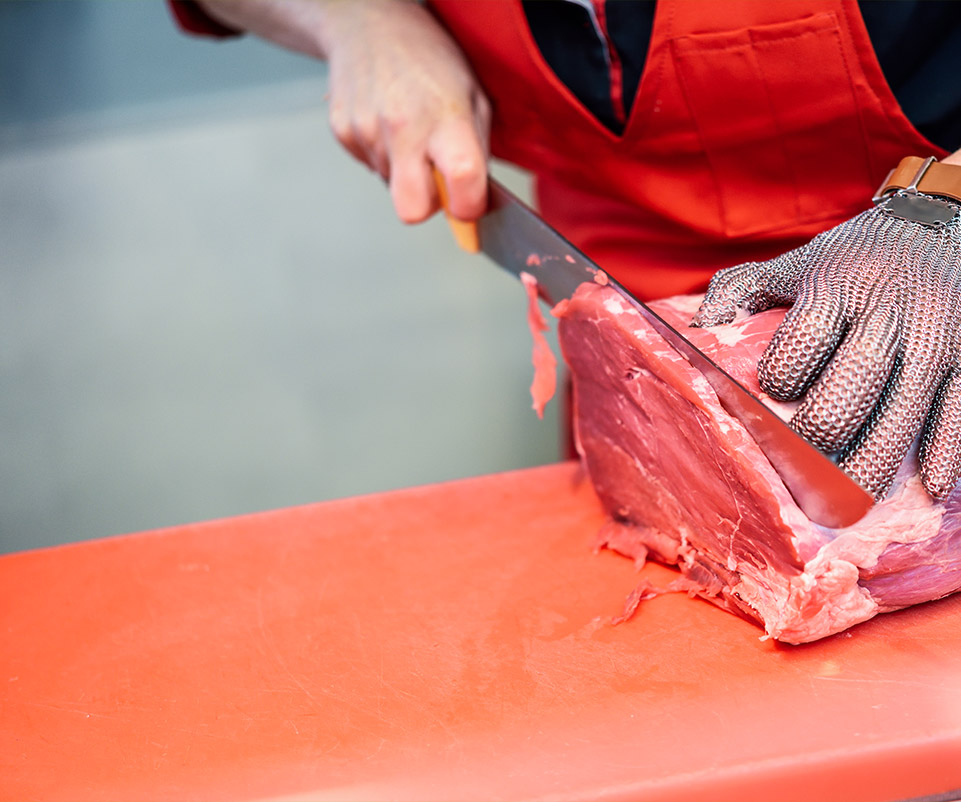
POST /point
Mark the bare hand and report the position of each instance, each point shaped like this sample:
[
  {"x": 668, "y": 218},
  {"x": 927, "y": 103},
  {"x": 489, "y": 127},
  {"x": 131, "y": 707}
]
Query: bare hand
[{"x": 403, "y": 98}]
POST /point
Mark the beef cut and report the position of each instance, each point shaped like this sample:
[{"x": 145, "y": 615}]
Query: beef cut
[{"x": 685, "y": 484}]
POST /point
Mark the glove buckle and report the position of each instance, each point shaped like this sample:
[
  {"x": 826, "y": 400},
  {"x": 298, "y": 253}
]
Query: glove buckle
[{"x": 909, "y": 204}]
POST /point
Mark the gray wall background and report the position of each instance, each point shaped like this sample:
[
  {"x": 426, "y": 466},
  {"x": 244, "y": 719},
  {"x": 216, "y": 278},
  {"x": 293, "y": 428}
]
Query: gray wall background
[{"x": 206, "y": 307}]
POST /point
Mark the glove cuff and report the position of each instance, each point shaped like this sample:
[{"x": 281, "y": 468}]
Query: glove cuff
[{"x": 928, "y": 176}]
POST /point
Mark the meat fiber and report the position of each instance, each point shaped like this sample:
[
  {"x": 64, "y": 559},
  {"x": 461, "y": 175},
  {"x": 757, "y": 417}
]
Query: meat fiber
[{"x": 684, "y": 483}]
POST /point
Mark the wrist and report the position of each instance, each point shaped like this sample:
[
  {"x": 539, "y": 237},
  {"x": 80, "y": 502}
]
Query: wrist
[
  {"x": 346, "y": 24},
  {"x": 952, "y": 158}
]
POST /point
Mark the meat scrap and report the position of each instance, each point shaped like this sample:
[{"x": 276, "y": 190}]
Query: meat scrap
[
  {"x": 683, "y": 482},
  {"x": 544, "y": 382}
]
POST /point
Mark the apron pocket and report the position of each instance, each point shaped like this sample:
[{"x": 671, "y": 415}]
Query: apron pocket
[{"x": 778, "y": 118}]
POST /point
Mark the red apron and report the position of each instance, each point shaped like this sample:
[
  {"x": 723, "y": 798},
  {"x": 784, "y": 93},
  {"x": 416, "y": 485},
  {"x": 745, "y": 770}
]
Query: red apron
[{"x": 755, "y": 126}]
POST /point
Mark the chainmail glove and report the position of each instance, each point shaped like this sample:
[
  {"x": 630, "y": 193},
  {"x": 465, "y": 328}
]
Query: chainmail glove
[{"x": 871, "y": 342}]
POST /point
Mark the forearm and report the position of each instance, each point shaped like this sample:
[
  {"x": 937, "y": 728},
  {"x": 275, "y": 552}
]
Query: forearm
[
  {"x": 954, "y": 158},
  {"x": 311, "y": 27}
]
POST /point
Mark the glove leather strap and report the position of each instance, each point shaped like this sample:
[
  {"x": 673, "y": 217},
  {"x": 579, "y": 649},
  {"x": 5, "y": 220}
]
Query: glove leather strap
[{"x": 923, "y": 175}]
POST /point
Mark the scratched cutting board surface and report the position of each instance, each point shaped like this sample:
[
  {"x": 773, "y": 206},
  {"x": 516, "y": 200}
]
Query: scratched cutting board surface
[{"x": 445, "y": 642}]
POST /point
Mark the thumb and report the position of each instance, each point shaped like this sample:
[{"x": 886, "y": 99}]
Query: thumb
[{"x": 754, "y": 286}]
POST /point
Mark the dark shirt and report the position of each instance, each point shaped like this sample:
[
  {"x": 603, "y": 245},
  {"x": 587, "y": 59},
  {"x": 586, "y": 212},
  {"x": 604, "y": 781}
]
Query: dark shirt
[{"x": 917, "y": 42}]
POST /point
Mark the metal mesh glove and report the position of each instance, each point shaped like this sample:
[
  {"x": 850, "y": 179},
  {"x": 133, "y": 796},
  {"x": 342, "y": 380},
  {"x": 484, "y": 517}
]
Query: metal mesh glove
[{"x": 872, "y": 339}]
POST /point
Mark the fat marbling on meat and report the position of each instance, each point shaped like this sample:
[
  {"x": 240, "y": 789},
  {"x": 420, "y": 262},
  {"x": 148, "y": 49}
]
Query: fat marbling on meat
[{"x": 685, "y": 484}]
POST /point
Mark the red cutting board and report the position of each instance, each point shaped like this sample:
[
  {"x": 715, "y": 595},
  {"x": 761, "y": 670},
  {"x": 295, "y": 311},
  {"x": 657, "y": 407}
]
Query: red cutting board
[{"x": 446, "y": 642}]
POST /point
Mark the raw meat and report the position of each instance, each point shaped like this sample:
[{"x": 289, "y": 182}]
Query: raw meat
[
  {"x": 684, "y": 483},
  {"x": 545, "y": 364}
]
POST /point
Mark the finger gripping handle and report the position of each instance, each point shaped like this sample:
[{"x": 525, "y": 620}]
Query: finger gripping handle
[{"x": 465, "y": 231}]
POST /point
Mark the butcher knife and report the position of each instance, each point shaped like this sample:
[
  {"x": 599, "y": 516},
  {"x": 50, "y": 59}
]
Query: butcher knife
[{"x": 518, "y": 240}]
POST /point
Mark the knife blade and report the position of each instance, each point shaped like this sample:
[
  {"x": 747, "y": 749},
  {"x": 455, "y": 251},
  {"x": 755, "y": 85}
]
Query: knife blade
[{"x": 510, "y": 234}]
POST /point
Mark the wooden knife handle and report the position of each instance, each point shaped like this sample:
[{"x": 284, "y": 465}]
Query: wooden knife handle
[{"x": 465, "y": 232}]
